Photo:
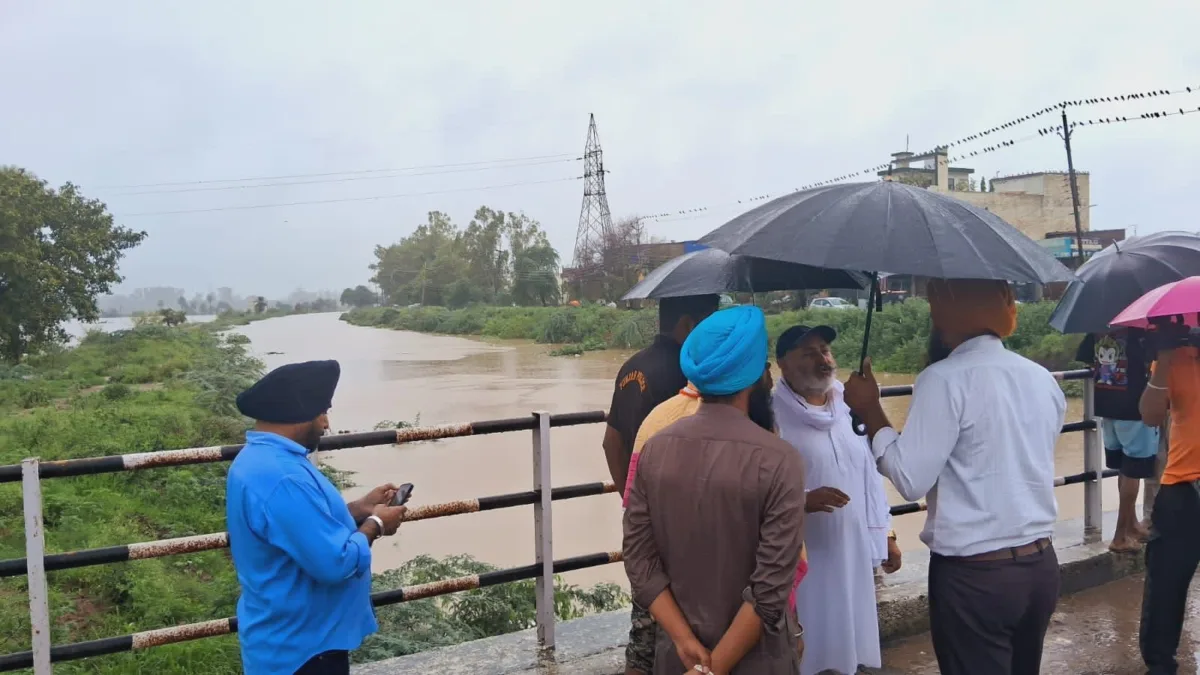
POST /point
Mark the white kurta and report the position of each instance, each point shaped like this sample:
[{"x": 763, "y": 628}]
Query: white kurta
[{"x": 836, "y": 600}]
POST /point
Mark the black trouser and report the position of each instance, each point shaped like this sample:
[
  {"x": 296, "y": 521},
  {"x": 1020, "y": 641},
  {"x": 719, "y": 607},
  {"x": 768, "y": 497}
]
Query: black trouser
[
  {"x": 1171, "y": 557},
  {"x": 327, "y": 663},
  {"x": 990, "y": 617}
]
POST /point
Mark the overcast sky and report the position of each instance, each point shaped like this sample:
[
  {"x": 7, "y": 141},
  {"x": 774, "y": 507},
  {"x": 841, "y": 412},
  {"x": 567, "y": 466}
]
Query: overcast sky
[{"x": 698, "y": 104}]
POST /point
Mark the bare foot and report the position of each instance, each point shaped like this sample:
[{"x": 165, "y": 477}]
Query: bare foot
[
  {"x": 1141, "y": 532},
  {"x": 1124, "y": 545}
]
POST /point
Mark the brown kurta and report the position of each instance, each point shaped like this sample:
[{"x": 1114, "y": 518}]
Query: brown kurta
[{"x": 716, "y": 514}]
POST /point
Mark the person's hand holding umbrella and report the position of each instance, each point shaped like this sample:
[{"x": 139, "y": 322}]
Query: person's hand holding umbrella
[{"x": 862, "y": 396}]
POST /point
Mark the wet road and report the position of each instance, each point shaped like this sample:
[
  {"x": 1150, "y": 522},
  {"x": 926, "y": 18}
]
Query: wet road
[{"x": 1093, "y": 633}]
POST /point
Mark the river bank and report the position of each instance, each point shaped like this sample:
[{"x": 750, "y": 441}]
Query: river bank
[
  {"x": 899, "y": 334},
  {"x": 137, "y": 390}
]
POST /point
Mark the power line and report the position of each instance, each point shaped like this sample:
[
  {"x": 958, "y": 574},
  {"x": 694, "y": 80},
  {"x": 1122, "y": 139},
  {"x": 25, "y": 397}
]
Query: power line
[
  {"x": 211, "y": 188},
  {"x": 1072, "y": 104},
  {"x": 347, "y": 199},
  {"x": 1000, "y": 145},
  {"x": 336, "y": 173},
  {"x": 1049, "y": 131},
  {"x": 1014, "y": 122}
]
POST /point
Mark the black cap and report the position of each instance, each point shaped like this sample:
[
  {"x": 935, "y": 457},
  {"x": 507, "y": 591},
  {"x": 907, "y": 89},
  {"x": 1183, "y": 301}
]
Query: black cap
[
  {"x": 291, "y": 394},
  {"x": 796, "y": 334}
]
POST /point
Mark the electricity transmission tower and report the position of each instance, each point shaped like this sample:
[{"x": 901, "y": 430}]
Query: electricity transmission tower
[{"x": 595, "y": 221}]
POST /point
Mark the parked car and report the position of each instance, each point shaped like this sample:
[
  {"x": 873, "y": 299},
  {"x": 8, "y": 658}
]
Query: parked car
[{"x": 830, "y": 303}]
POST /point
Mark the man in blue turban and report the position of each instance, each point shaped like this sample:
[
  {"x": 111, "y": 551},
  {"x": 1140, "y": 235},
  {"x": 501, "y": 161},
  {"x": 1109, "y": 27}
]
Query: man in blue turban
[
  {"x": 302, "y": 554},
  {"x": 718, "y": 499}
]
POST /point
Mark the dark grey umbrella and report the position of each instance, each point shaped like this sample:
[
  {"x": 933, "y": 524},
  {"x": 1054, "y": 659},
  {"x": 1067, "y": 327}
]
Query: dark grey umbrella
[
  {"x": 888, "y": 227},
  {"x": 1113, "y": 278},
  {"x": 710, "y": 271}
]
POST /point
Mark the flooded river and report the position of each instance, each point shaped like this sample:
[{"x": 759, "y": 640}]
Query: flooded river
[{"x": 394, "y": 375}]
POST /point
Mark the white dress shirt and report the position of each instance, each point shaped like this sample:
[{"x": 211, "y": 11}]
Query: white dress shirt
[{"x": 979, "y": 442}]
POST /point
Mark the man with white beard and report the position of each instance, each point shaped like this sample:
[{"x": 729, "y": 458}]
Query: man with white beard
[{"x": 848, "y": 530}]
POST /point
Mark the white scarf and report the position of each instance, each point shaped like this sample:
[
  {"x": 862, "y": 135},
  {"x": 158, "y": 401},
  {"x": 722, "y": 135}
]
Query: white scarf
[{"x": 834, "y": 418}]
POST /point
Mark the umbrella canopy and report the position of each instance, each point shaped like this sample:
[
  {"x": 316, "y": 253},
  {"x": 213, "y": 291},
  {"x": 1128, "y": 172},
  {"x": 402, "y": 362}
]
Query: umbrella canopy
[
  {"x": 711, "y": 271},
  {"x": 1113, "y": 278},
  {"x": 888, "y": 227},
  {"x": 1178, "y": 298}
]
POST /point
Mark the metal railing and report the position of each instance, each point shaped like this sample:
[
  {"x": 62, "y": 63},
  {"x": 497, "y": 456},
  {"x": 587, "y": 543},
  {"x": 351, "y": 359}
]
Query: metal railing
[{"x": 36, "y": 563}]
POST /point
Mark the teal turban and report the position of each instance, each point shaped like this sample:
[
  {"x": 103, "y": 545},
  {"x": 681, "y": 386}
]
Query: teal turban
[{"x": 727, "y": 352}]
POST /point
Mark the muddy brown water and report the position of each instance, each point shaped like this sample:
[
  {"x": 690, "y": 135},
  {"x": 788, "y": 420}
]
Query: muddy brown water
[{"x": 396, "y": 375}]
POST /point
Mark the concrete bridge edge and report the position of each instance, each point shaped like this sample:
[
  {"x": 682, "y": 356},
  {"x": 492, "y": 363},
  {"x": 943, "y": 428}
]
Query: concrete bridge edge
[{"x": 595, "y": 645}]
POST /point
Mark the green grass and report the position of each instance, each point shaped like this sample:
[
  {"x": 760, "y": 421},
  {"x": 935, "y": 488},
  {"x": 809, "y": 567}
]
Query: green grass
[
  {"x": 586, "y": 328},
  {"x": 149, "y": 403},
  {"x": 230, "y": 319},
  {"x": 155, "y": 388},
  {"x": 899, "y": 334}
]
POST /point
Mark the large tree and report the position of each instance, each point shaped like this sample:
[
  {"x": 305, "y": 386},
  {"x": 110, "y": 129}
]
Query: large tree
[
  {"x": 500, "y": 257},
  {"x": 421, "y": 267},
  {"x": 58, "y": 252}
]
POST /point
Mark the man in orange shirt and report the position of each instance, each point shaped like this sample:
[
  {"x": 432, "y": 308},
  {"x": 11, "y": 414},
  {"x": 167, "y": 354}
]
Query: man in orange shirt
[{"x": 1173, "y": 551}]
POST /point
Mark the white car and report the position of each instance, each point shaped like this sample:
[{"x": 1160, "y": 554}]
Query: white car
[{"x": 830, "y": 303}]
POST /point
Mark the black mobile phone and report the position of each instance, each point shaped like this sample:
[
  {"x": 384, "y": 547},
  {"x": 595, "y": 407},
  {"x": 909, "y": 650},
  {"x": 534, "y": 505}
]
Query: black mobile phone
[{"x": 403, "y": 493}]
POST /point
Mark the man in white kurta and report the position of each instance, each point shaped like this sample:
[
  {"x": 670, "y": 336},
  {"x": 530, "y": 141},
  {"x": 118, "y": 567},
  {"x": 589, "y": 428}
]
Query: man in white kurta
[{"x": 848, "y": 527}]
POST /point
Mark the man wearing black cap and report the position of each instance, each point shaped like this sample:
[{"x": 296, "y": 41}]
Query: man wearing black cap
[
  {"x": 847, "y": 532},
  {"x": 302, "y": 554}
]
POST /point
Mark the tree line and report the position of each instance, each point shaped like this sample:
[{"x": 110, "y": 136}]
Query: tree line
[
  {"x": 59, "y": 256},
  {"x": 501, "y": 259}
]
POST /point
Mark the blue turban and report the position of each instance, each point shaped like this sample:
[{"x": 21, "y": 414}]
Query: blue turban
[{"x": 727, "y": 352}]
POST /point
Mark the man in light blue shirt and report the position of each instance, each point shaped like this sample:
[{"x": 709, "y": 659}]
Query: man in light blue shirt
[
  {"x": 302, "y": 554},
  {"x": 978, "y": 443}
]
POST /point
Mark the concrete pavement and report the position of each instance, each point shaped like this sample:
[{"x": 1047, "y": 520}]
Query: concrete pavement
[{"x": 1094, "y": 632}]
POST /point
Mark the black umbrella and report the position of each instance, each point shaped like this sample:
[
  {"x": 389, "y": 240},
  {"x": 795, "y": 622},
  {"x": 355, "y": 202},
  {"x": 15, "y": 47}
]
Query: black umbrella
[
  {"x": 1113, "y": 278},
  {"x": 888, "y": 227},
  {"x": 711, "y": 270}
]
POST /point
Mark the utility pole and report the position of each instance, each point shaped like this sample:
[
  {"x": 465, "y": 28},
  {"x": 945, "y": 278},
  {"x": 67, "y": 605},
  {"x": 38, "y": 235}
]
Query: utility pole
[
  {"x": 424, "y": 281},
  {"x": 1066, "y": 136},
  {"x": 595, "y": 220}
]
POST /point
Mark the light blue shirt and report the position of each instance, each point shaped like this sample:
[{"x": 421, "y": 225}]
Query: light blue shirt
[
  {"x": 979, "y": 445},
  {"x": 304, "y": 569}
]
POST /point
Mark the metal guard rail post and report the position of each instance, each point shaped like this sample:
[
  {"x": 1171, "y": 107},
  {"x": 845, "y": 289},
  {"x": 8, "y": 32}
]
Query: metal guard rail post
[{"x": 31, "y": 471}]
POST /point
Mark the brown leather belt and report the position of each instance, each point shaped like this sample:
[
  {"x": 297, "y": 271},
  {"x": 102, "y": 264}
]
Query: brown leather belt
[{"x": 1009, "y": 553}]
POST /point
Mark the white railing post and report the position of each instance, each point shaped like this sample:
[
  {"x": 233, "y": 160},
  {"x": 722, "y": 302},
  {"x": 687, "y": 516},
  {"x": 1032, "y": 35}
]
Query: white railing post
[
  {"x": 543, "y": 532},
  {"x": 1093, "y": 465},
  {"x": 35, "y": 552}
]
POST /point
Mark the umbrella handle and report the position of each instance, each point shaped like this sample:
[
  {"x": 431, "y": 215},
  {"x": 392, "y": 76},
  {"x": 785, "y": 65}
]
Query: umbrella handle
[
  {"x": 873, "y": 300},
  {"x": 856, "y": 423}
]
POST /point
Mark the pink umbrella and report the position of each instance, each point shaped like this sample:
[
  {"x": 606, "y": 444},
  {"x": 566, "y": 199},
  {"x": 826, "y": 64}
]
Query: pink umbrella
[{"x": 1176, "y": 298}]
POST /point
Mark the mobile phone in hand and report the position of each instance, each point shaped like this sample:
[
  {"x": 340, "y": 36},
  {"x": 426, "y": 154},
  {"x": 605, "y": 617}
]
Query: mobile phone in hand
[{"x": 403, "y": 493}]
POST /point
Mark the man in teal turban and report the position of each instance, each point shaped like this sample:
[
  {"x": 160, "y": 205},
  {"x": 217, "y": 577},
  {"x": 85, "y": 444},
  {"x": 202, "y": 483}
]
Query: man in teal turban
[
  {"x": 723, "y": 354},
  {"x": 718, "y": 500}
]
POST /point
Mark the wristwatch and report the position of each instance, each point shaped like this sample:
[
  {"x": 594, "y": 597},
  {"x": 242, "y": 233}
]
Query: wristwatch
[
  {"x": 378, "y": 523},
  {"x": 891, "y": 534}
]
